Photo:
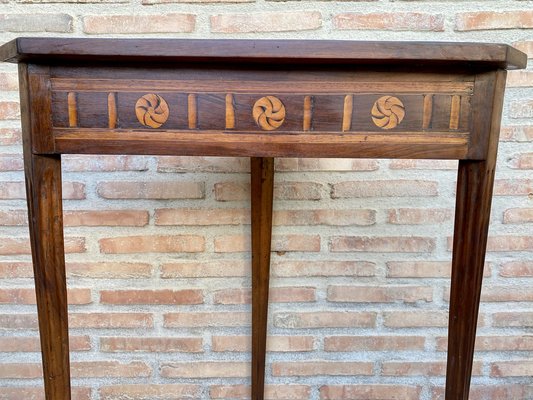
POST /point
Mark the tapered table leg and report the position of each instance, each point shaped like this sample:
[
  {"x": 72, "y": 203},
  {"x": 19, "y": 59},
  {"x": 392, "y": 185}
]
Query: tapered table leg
[
  {"x": 474, "y": 192},
  {"x": 43, "y": 188},
  {"x": 262, "y": 179}
]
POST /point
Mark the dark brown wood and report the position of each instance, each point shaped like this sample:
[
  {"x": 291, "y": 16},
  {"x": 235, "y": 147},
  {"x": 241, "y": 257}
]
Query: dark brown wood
[
  {"x": 43, "y": 190},
  {"x": 262, "y": 184},
  {"x": 278, "y": 51},
  {"x": 472, "y": 217}
]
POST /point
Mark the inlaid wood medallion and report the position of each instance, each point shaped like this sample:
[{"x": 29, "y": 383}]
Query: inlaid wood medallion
[
  {"x": 269, "y": 113},
  {"x": 388, "y": 112},
  {"x": 152, "y": 110}
]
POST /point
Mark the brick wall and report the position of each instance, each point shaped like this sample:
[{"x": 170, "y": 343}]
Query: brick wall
[{"x": 158, "y": 263}]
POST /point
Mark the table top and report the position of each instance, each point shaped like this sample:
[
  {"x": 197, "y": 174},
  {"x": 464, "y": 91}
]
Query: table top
[{"x": 27, "y": 49}]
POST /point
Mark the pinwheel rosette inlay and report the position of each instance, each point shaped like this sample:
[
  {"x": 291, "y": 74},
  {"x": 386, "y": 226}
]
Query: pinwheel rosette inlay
[
  {"x": 388, "y": 112},
  {"x": 269, "y": 113},
  {"x": 152, "y": 110}
]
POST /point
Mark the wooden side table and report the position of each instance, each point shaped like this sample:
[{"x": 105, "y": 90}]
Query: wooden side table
[{"x": 260, "y": 99}]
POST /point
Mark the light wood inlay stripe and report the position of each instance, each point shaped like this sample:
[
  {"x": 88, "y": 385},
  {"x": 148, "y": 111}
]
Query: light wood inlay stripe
[
  {"x": 193, "y": 115},
  {"x": 428, "y": 111},
  {"x": 230, "y": 112},
  {"x": 112, "y": 110},
  {"x": 72, "y": 110},
  {"x": 347, "y": 114},
  {"x": 455, "y": 111},
  {"x": 293, "y": 87},
  {"x": 308, "y": 113}
]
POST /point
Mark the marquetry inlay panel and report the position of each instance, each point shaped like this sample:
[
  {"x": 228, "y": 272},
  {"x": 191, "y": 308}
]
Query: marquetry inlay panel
[{"x": 334, "y": 112}]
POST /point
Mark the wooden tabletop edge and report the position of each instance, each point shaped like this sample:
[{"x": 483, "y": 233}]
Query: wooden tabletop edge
[{"x": 25, "y": 49}]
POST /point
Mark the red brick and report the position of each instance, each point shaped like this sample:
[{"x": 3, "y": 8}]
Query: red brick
[
  {"x": 9, "y": 110},
  {"x": 521, "y": 109},
  {"x": 495, "y": 343},
  {"x": 106, "y": 218},
  {"x": 511, "y": 368},
  {"x": 151, "y": 344},
  {"x": 521, "y": 161},
  {"x": 14, "y": 218},
  {"x": 510, "y": 243},
  {"x": 274, "y": 343},
  {"x": 373, "y": 343},
  {"x": 277, "y": 295},
  {"x": 103, "y": 163},
  {"x": 322, "y": 268},
  {"x": 234, "y": 191},
  {"x": 501, "y": 293},
  {"x": 415, "y": 319},
  {"x": 421, "y": 368},
  {"x": 325, "y": 164},
  {"x": 35, "y": 22},
  {"x": 322, "y": 368},
  {"x": 325, "y": 319},
  {"x": 507, "y": 293},
  {"x": 16, "y": 344},
  {"x": 20, "y": 371},
  {"x": 73, "y": 191},
  {"x": 136, "y": 24},
  {"x": 488, "y": 20},
  {"x": 109, "y": 270},
  {"x": 110, "y": 369},
  {"x": 516, "y": 133},
  {"x": 152, "y": 244},
  {"x": 266, "y": 22},
  {"x": 197, "y": 216},
  {"x": 16, "y": 270},
  {"x": 27, "y": 296},
  {"x": 37, "y": 393},
  {"x": 14, "y": 246},
  {"x": 12, "y": 191},
  {"x": 519, "y": 79},
  {"x": 8, "y": 81},
  {"x": 419, "y": 269},
  {"x": 10, "y": 136},
  {"x": 206, "y": 319},
  {"x": 369, "y": 392},
  {"x": 490, "y": 392},
  {"x": 391, "y": 244},
  {"x": 109, "y": 320},
  {"x": 518, "y": 215},
  {"x": 149, "y": 391},
  {"x": 210, "y": 269},
  {"x": 425, "y": 269},
  {"x": 513, "y": 187},
  {"x": 151, "y": 190},
  {"x": 360, "y": 217},
  {"x": 146, "y": 296},
  {"x": 517, "y": 269},
  {"x": 423, "y": 164},
  {"x": 526, "y": 46},
  {"x": 11, "y": 162},
  {"x": 203, "y": 164},
  {"x": 18, "y": 321},
  {"x": 383, "y": 188},
  {"x": 379, "y": 294},
  {"x": 205, "y": 369},
  {"x": 419, "y": 216},
  {"x": 397, "y": 21},
  {"x": 272, "y": 392},
  {"x": 511, "y": 318},
  {"x": 280, "y": 243}
]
